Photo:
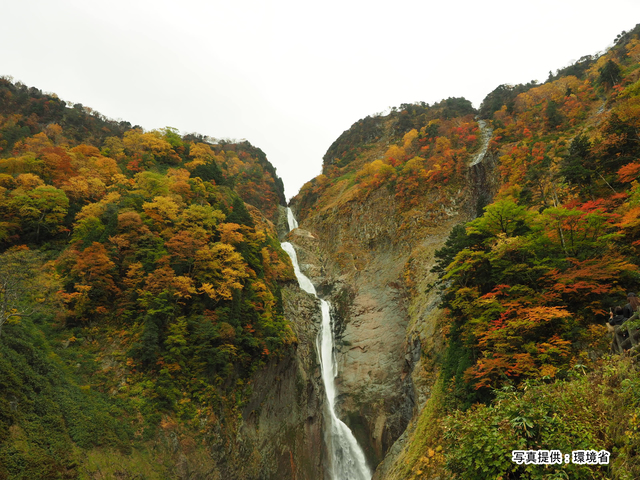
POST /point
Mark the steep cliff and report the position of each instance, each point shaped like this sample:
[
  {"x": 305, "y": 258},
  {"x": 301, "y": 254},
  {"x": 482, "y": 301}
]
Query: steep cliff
[{"x": 283, "y": 420}]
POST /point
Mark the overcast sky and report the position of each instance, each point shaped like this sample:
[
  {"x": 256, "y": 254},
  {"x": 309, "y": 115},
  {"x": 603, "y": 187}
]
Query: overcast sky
[{"x": 291, "y": 76}]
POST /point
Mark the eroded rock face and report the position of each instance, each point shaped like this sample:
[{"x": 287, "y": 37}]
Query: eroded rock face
[
  {"x": 283, "y": 420},
  {"x": 376, "y": 397},
  {"x": 371, "y": 356},
  {"x": 373, "y": 264}
]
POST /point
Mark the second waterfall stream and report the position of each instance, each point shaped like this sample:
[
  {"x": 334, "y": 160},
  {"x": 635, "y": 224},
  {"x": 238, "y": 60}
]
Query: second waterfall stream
[{"x": 346, "y": 458}]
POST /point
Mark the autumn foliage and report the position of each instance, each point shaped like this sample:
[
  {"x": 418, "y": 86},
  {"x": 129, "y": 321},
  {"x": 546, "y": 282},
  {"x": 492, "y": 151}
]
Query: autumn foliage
[
  {"x": 527, "y": 285},
  {"x": 166, "y": 238}
]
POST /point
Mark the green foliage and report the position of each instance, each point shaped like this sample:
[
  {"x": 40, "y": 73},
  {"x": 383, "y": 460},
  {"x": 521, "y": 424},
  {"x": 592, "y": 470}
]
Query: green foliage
[
  {"x": 610, "y": 74},
  {"x": 457, "y": 241},
  {"x": 598, "y": 411},
  {"x": 503, "y": 217},
  {"x": 454, "y": 107},
  {"x": 554, "y": 117},
  {"x": 41, "y": 210},
  {"x": 578, "y": 167},
  {"x": 18, "y": 287},
  {"x": 45, "y": 410},
  {"x": 79, "y": 123},
  {"x": 160, "y": 311},
  {"x": 239, "y": 213},
  {"x": 522, "y": 289},
  {"x": 503, "y": 95},
  {"x": 343, "y": 150},
  {"x": 457, "y": 359},
  {"x": 578, "y": 69},
  {"x": 209, "y": 172}
]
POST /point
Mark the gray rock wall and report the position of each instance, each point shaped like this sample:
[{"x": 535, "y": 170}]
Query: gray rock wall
[
  {"x": 376, "y": 397},
  {"x": 283, "y": 419}
]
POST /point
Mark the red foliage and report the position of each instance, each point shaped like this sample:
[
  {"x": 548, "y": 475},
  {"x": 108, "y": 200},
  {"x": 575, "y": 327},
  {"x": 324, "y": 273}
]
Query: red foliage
[{"x": 629, "y": 172}]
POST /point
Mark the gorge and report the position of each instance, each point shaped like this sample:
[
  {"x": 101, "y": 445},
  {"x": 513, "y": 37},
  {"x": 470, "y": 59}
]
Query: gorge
[{"x": 431, "y": 301}]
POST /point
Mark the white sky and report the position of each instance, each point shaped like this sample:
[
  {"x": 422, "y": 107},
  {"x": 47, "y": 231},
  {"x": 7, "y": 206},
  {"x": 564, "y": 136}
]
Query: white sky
[{"x": 291, "y": 76}]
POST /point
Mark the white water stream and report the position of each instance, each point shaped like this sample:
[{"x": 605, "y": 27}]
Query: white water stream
[
  {"x": 347, "y": 461},
  {"x": 486, "y": 133}
]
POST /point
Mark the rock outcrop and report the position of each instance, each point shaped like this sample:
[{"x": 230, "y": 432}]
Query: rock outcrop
[
  {"x": 358, "y": 264},
  {"x": 283, "y": 420}
]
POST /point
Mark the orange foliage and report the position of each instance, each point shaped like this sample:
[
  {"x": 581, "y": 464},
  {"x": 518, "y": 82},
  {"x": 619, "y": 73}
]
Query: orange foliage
[{"x": 629, "y": 172}]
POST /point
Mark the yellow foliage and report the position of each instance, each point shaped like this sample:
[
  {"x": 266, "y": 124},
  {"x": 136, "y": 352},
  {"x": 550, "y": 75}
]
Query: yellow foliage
[
  {"x": 209, "y": 290},
  {"x": 29, "y": 181},
  {"x": 442, "y": 144},
  {"x": 201, "y": 153},
  {"x": 221, "y": 270},
  {"x": 184, "y": 286},
  {"x": 162, "y": 209},
  {"x": 633, "y": 50},
  {"x": 322, "y": 179},
  {"x": 265, "y": 296},
  {"x": 114, "y": 148},
  {"x": 54, "y": 131},
  {"x": 548, "y": 370},
  {"x": 233, "y": 164},
  {"x": 137, "y": 142},
  {"x": 6, "y": 181},
  {"x": 98, "y": 208},
  {"x": 106, "y": 169},
  {"x": 414, "y": 166},
  {"x": 80, "y": 188},
  {"x": 395, "y": 153},
  {"x": 629, "y": 111},
  {"x": 375, "y": 173},
  {"x": 594, "y": 71},
  {"x": 34, "y": 144},
  {"x": 229, "y": 233},
  {"x": 553, "y": 91},
  {"x": 409, "y": 137},
  {"x": 178, "y": 174},
  {"x": 135, "y": 276}
]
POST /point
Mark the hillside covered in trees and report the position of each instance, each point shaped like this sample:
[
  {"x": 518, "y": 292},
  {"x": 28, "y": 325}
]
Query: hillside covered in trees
[
  {"x": 141, "y": 285},
  {"x": 140, "y": 288},
  {"x": 546, "y": 241}
]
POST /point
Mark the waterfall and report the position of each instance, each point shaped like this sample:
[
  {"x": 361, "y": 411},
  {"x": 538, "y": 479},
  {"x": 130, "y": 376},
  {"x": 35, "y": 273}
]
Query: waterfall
[
  {"x": 486, "y": 133},
  {"x": 482, "y": 178},
  {"x": 291, "y": 219},
  {"x": 346, "y": 458}
]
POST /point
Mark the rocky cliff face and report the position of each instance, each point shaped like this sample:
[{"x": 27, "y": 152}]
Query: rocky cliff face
[
  {"x": 283, "y": 420},
  {"x": 373, "y": 262},
  {"x": 358, "y": 264},
  {"x": 282, "y": 433}
]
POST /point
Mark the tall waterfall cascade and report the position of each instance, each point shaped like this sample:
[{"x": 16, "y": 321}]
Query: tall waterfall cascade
[{"x": 346, "y": 458}]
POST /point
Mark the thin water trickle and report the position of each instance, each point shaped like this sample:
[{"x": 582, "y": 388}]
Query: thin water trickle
[
  {"x": 346, "y": 457},
  {"x": 485, "y": 132}
]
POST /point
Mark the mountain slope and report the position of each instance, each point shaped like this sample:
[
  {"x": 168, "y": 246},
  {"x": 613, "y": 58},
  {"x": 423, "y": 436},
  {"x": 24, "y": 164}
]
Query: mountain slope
[
  {"x": 516, "y": 297},
  {"x": 143, "y": 292}
]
